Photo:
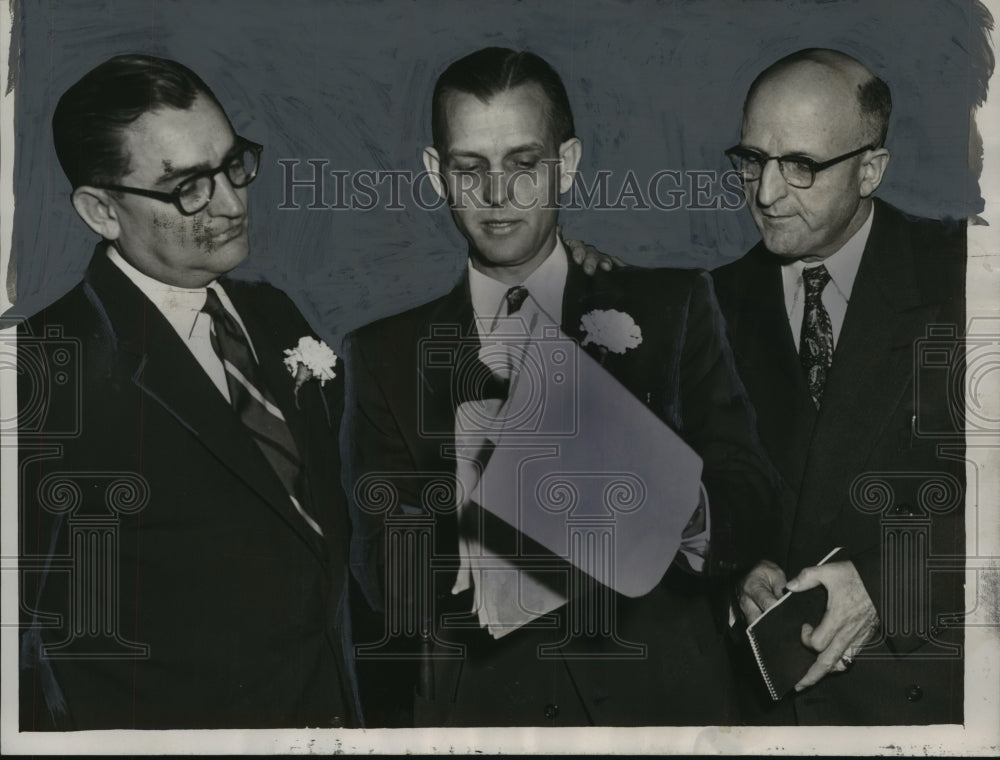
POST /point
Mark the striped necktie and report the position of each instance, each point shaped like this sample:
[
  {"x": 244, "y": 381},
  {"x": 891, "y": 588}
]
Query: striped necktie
[{"x": 254, "y": 404}]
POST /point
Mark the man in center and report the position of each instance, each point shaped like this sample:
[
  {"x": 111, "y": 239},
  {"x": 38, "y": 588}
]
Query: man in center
[{"x": 504, "y": 150}]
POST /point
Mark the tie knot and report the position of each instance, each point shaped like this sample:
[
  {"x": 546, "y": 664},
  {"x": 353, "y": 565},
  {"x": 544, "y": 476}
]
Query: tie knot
[
  {"x": 515, "y": 298},
  {"x": 224, "y": 322},
  {"x": 213, "y": 306},
  {"x": 815, "y": 279}
]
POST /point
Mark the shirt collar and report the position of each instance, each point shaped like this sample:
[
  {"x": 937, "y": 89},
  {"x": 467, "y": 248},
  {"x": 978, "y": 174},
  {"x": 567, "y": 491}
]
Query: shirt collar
[
  {"x": 545, "y": 285},
  {"x": 842, "y": 265},
  {"x": 180, "y": 306}
]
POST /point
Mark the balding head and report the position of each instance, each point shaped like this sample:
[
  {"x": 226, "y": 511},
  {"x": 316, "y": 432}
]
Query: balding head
[
  {"x": 843, "y": 82},
  {"x": 824, "y": 110}
]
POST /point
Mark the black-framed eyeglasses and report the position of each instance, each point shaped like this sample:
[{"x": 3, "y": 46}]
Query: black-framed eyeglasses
[
  {"x": 195, "y": 192},
  {"x": 798, "y": 171}
]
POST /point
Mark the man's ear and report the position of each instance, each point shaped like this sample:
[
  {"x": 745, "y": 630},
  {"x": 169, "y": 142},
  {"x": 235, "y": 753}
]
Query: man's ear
[
  {"x": 872, "y": 170},
  {"x": 432, "y": 163},
  {"x": 96, "y": 209},
  {"x": 569, "y": 158}
]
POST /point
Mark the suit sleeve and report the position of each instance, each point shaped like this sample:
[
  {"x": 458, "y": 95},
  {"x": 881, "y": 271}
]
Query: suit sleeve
[
  {"x": 45, "y": 451},
  {"x": 373, "y": 450},
  {"x": 718, "y": 422}
]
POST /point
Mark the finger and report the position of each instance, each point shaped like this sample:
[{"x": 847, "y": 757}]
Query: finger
[
  {"x": 606, "y": 264},
  {"x": 778, "y": 586},
  {"x": 760, "y": 594},
  {"x": 827, "y": 661},
  {"x": 807, "y": 579},
  {"x": 750, "y": 609},
  {"x": 832, "y": 625},
  {"x": 590, "y": 264},
  {"x": 618, "y": 261},
  {"x": 813, "y": 676},
  {"x": 576, "y": 250},
  {"x": 807, "y": 632}
]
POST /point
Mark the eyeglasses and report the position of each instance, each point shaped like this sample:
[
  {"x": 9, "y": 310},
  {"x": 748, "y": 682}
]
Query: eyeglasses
[
  {"x": 798, "y": 171},
  {"x": 195, "y": 192}
]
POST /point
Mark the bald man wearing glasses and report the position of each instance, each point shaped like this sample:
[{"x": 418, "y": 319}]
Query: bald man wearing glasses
[
  {"x": 832, "y": 318},
  {"x": 183, "y": 532}
]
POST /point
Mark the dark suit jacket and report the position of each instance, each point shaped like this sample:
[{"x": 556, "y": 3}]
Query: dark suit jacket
[
  {"x": 400, "y": 422},
  {"x": 880, "y": 464},
  {"x": 167, "y": 576}
]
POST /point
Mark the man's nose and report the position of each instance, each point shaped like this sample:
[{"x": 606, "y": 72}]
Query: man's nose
[
  {"x": 226, "y": 201},
  {"x": 496, "y": 188},
  {"x": 771, "y": 186}
]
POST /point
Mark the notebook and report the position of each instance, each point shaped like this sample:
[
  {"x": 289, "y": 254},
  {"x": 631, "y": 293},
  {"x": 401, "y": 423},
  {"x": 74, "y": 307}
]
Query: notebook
[{"x": 776, "y": 637}]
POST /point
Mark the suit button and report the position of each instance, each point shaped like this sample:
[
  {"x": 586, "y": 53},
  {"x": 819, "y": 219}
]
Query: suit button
[
  {"x": 914, "y": 693},
  {"x": 551, "y": 711},
  {"x": 337, "y": 721}
]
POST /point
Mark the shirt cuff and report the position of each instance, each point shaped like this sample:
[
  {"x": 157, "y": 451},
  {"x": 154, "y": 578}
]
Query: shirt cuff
[{"x": 694, "y": 547}]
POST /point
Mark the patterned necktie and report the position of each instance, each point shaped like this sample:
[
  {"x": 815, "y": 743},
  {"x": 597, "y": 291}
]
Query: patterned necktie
[
  {"x": 515, "y": 298},
  {"x": 816, "y": 338},
  {"x": 253, "y": 403}
]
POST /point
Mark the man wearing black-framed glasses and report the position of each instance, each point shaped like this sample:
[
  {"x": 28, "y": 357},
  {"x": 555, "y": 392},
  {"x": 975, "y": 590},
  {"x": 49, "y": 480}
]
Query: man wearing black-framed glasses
[
  {"x": 196, "y": 191},
  {"x": 214, "y": 594},
  {"x": 826, "y": 316}
]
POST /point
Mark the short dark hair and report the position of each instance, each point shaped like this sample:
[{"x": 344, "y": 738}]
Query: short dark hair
[
  {"x": 493, "y": 70},
  {"x": 874, "y": 98},
  {"x": 91, "y": 116}
]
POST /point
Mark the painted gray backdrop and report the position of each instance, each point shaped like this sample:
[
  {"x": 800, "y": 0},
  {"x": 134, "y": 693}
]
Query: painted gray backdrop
[{"x": 654, "y": 85}]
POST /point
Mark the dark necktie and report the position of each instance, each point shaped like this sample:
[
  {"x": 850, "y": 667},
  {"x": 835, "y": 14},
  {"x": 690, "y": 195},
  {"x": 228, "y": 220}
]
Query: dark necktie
[
  {"x": 477, "y": 382},
  {"x": 515, "y": 298},
  {"x": 816, "y": 338},
  {"x": 253, "y": 403}
]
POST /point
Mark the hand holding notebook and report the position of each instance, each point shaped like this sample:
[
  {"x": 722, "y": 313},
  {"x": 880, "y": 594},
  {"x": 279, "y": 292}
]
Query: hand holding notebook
[{"x": 776, "y": 637}]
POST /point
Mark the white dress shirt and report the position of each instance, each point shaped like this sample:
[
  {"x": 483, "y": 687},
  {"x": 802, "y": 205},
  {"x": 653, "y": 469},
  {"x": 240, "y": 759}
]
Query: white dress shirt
[
  {"x": 182, "y": 309},
  {"x": 843, "y": 268},
  {"x": 545, "y": 285}
]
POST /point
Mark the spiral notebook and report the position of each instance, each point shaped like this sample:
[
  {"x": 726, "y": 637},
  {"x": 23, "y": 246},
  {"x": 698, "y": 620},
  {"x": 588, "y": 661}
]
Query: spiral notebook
[{"x": 776, "y": 637}]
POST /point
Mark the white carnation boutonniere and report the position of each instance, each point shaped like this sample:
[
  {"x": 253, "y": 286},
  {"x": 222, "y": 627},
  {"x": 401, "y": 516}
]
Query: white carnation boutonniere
[
  {"x": 610, "y": 330},
  {"x": 310, "y": 359}
]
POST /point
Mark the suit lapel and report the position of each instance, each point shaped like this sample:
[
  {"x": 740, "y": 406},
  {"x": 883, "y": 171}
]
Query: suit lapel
[
  {"x": 769, "y": 365},
  {"x": 162, "y": 367},
  {"x": 584, "y": 293},
  {"x": 872, "y": 364},
  {"x": 450, "y": 326}
]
